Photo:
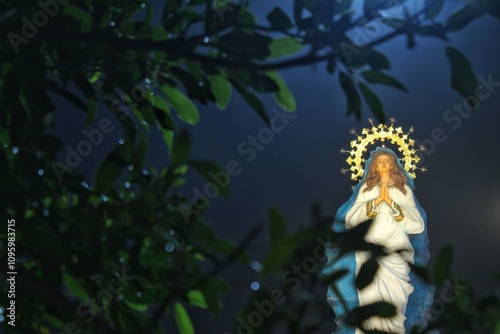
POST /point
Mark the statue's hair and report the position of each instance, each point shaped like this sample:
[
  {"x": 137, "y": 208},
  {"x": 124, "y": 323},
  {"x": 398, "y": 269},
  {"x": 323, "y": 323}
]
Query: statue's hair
[{"x": 373, "y": 177}]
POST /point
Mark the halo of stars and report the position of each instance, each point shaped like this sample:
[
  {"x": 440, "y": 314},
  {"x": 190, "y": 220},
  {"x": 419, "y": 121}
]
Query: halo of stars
[{"x": 382, "y": 133}]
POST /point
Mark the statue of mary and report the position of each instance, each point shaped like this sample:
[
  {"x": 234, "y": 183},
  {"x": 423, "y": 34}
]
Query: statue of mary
[{"x": 385, "y": 195}]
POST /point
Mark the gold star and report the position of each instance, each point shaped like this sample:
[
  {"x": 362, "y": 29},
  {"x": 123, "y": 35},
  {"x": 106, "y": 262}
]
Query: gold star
[
  {"x": 352, "y": 131},
  {"x": 344, "y": 171},
  {"x": 392, "y": 120}
]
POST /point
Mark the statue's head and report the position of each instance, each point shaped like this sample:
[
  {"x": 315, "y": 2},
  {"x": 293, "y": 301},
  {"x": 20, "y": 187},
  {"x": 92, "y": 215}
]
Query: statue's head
[{"x": 383, "y": 160}]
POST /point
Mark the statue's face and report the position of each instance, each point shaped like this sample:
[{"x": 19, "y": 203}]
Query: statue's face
[{"x": 384, "y": 163}]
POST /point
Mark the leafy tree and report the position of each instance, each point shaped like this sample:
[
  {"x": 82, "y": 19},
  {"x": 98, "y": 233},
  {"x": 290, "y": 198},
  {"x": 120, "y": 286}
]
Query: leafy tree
[{"x": 120, "y": 253}]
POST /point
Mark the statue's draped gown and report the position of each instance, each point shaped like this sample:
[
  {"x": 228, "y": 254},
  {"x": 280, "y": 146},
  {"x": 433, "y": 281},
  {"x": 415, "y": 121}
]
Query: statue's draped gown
[{"x": 390, "y": 228}]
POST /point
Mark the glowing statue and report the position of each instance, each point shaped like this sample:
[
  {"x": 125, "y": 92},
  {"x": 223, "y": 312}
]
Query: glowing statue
[{"x": 385, "y": 195}]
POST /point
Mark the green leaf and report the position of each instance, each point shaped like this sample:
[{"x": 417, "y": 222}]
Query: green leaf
[
  {"x": 366, "y": 273},
  {"x": 129, "y": 8},
  {"x": 245, "y": 16},
  {"x": 168, "y": 138},
  {"x": 279, "y": 20},
  {"x": 373, "y": 58},
  {"x": 373, "y": 102},
  {"x": 441, "y": 269},
  {"x": 339, "y": 295},
  {"x": 217, "y": 178},
  {"x": 4, "y": 137},
  {"x": 335, "y": 276},
  {"x": 464, "y": 292},
  {"x": 105, "y": 20},
  {"x": 182, "y": 319},
  {"x": 181, "y": 149},
  {"x": 353, "y": 99},
  {"x": 220, "y": 285},
  {"x": 213, "y": 302},
  {"x": 74, "y": 287},
  {"x": 196, "y": 298},
  {"x": 277, "y": 226},
  {"x": 284, "y": 96},
  {"x": 360, "y": 314},
  {"x": 162, "y": 112},
  {"x": 280, "y": 255},
  {"x": 186, "y": 109},
  {"x": 463, "y": 78},
  {"x": 253, "y": 101},
  {"x": 382, "y": 78},
  {"x": 420, "y": 272},
  {"x": 137, "y": 307},
  {"x": 157, "y": 102},
  {"x": 53, "y": 321},
  {"x": 433, "y": 7},
  {"x": 459, "y": 19},
  {"x": 159, "y": 35},
  {"x": 91, "y": 111},
  {"x": 149, "y": 14},
  {"x": 284, "y": 46},
  {"x": 376, "y": 60},
  {"x": 147, "y": 111},
  {"x": 228, "y": 248},
  {"x": 128, "y": 28},
  {"x": 191, "y": 79},
  {"x": 112, "y": 166},
  {"x": 221, "y": 89},
  {"x": 83, "y": 17},
  {"x": 202, "y": 231}
]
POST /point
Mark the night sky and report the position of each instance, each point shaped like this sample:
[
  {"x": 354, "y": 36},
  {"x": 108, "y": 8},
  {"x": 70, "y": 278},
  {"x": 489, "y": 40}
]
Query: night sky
[{"x": 301, "y": 165}]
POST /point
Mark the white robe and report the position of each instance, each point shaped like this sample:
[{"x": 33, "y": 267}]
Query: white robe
[{"x": 391, "y": 282}]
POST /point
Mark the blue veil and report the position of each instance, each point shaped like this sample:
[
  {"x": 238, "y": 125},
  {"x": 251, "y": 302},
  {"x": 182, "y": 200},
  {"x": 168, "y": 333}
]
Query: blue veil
[{"x": 419, "y": 302}]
